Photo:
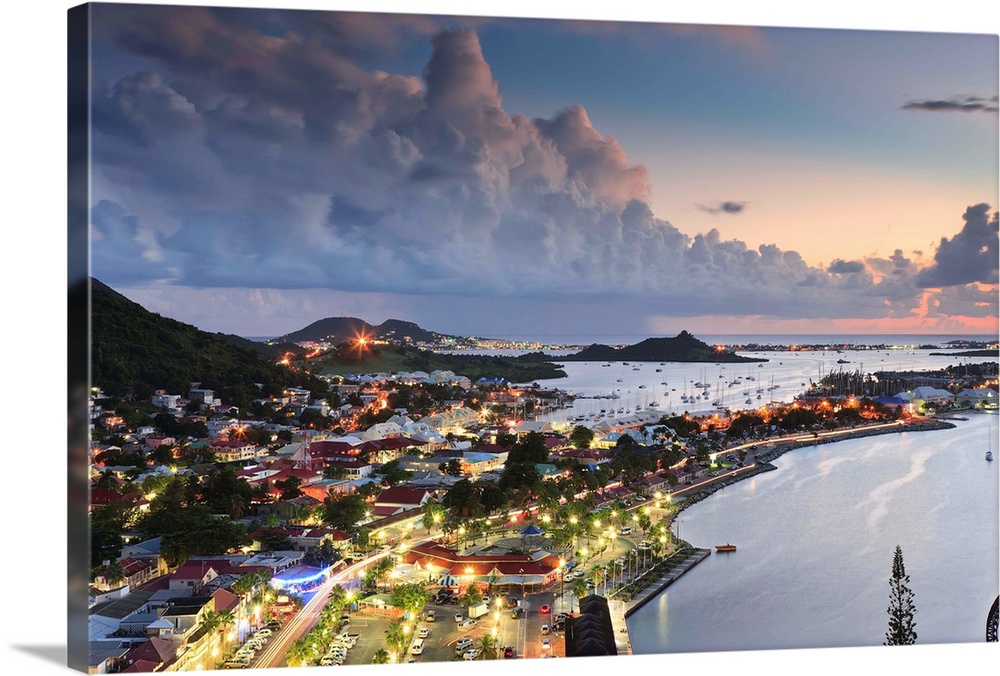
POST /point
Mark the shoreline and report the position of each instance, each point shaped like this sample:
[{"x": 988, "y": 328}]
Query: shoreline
[{"x": 763, "y": 464}]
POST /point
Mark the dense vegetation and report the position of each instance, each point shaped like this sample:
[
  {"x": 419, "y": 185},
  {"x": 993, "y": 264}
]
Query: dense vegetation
[
  {"x": 347, "y": 358},
  {"x": 135, "y": 352}
]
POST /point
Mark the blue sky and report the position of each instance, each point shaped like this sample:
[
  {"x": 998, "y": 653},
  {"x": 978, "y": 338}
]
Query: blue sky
[{"x": 502, "y": 176}]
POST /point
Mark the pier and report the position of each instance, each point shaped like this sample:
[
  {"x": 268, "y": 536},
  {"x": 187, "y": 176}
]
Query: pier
[
  {"x": 643, "y": 597},
  {"x": 620, "y": 610}
]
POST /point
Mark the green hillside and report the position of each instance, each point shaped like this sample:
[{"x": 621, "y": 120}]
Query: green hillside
[{"x": 135, "y": 352}]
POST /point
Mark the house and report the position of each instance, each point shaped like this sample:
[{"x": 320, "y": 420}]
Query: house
[
  {"x": 230, "y": 451},
  {"x": 155, "y": 442},
  {"x": 381, "y": 431},
  {"x": 398, "y": 499},
  {"x": 977, "y": 398},
  {"x": 547, "y": 471},
  {"x": 526, "y": 427},
  {"x": 161, "y": 399},
  {"x": 155, "y": 654},
  {"x": 133, "y": 573},
  {"x": 192, "y": 576},
  {"x": 147, "y": 551}
]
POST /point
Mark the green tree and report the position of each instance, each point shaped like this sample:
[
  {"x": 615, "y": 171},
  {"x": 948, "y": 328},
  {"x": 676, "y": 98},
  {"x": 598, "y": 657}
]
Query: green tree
[
  {"x": 344, "y": 512},
  {"x": 393, "y": 474},
  {"x": 488, "y": 647},
  {"x": 471, "y": 596},
  {"x": 581, "y": 436},
  {"x": 381, "y": 656},
  {"x": 396, "y": 639},
  {"x": 433, "y": 514},
  {"x": 411, "y": 597},
  {"x": 290, "y": 488},
  {"x": 901, "y": 608},
  {"x": 451, "y": 468}
]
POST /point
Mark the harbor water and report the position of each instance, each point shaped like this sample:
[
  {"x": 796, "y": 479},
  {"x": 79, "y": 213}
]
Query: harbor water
[{"x": 815, "y": 545}]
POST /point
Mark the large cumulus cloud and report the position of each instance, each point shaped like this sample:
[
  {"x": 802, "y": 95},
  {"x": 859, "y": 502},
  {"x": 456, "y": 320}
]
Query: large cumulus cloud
[
  {"x": 253, "y": 151},
  {"x": 970, "y": 256}
]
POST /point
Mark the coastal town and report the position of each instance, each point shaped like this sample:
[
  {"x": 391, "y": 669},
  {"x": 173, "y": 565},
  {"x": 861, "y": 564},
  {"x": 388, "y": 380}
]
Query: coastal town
[{"x": 423, "y": 516}]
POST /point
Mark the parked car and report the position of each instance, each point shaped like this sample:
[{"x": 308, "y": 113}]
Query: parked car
[
  {"x": 516, "y": 613},
  {"x": 459, "y": 617},
  {"x": 559, "y": 625},
  {"x": 466, "y": 624},
  {"x": 470, "y": 654},
  {"x": 463, "y": 644},
  {"x": 508, "y": 652},
  {"x": 429, "y": 616},
  {"x": 265, "y": 632},
  {"x": 423, "y": 632}
]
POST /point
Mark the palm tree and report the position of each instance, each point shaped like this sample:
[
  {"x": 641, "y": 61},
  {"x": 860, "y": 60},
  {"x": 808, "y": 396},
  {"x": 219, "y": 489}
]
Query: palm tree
[
  {"x": 114, "y": 573},
  {"x": 579, "y": 589},
  {"x": 596, "y": 575},
  {"x": 472, "y": 596},
  {"x": 488, "y": 647},
  {"x": 297, "y": 653},
  {"x": 224, "y": 620},
  {"x": 381, "y": 656},
  {"x": 395, "y": 638},
  {"x": 337, "y": 598}
]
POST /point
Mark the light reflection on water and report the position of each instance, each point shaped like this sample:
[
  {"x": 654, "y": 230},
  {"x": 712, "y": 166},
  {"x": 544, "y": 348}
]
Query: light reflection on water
[{"x": 816, "y": 540}]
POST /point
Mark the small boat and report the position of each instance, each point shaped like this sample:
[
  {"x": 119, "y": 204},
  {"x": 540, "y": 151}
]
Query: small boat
[
  {"x": 989, "y": 455},
  {"x": 725, "y": 548}
]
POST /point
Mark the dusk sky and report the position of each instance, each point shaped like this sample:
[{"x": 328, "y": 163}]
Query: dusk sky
[{"x": 255, "y": 170}]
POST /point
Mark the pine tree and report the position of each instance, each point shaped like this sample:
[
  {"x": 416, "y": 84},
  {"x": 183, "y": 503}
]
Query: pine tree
[{"x": 901, "y": 609}]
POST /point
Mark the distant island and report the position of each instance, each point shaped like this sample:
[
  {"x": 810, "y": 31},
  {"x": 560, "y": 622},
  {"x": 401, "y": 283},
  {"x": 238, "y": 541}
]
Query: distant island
[{"x": 682, "y": 348}]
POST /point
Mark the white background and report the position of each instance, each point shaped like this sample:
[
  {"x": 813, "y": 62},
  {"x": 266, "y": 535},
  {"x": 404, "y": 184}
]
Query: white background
[{"x": 33, "y": 548}]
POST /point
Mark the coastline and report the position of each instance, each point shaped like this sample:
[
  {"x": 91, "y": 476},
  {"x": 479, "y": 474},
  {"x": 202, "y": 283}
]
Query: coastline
[{"x": 763, "y": 464}]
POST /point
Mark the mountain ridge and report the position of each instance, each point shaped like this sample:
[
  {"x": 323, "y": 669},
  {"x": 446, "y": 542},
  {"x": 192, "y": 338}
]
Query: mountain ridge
[{"x": 684, "y": 347}]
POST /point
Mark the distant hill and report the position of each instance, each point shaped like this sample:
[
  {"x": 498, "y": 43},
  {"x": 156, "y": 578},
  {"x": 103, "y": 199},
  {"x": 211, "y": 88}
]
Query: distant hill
[
  {"x": 683, "y": 348},
  {"x": 339, "y": 329},
  {"x": 135, "y": 352}
]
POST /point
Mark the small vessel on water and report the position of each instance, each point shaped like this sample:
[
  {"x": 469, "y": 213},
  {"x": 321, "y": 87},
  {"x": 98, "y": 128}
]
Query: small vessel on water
[
  {"x": 725, "y": 548},
  {"x": 989, "y": 455}
]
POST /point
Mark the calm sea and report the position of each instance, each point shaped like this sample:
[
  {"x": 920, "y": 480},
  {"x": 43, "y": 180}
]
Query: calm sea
[{"x": 815, "y": 545}]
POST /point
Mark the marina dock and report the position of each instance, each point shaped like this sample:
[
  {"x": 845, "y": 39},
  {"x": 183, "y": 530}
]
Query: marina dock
[{"x": 620, "y": 610}]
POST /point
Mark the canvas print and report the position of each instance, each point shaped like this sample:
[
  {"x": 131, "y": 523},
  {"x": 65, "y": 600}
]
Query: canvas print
[{"x": 405, "y": 338}]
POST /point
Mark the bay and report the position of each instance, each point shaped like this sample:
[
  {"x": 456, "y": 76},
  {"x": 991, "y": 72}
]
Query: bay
[{"x": 815, "y": 546}]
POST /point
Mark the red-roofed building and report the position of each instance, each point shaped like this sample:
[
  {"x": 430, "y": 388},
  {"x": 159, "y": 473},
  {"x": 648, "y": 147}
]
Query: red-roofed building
[
  {"x": 334, "y": 450},
  {"x": 102, "y": 497},
  {"x": 142, "y": 666},
  {"x": 134, "y": 573},
  {"x": 499, "y": 569},
  {"x": 155, "y": 654},
  {"x": 400, "y": 499}
]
